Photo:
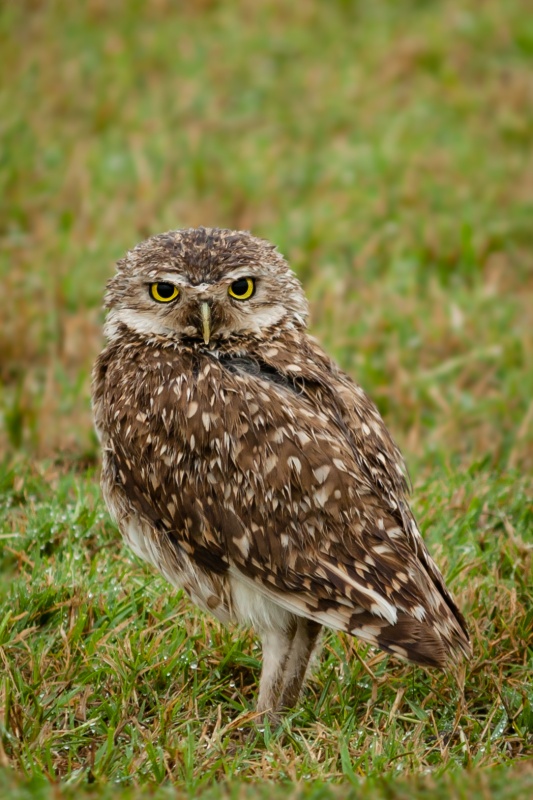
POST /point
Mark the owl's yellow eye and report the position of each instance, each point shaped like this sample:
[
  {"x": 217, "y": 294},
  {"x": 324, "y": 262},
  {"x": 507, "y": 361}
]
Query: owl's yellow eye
[
  {"x": 242, "y": 289},
  {"x": 164, "y": 292}
]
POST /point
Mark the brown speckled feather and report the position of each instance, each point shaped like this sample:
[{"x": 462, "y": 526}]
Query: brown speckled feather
[{"x": 251, "y": 466}]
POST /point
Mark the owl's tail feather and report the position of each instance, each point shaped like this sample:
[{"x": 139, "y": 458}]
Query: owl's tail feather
[
  {"x": 412, "y": 640},
  {"x": 432, "y": 634}
]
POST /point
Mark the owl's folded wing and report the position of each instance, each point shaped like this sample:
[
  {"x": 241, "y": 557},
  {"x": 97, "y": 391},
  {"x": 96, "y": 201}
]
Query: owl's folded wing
[{"x": 274, "y": 484}]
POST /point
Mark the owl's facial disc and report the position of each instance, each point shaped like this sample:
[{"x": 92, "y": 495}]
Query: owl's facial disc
[{"x": 204, "y": 285}]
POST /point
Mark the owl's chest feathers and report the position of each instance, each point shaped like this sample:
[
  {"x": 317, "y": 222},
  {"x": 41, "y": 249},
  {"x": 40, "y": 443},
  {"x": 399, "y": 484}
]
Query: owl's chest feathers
[
  {"x": 185, "y": 441},
  {"x": 178, "y": 426},
  {"x": 194, "y": 409}
]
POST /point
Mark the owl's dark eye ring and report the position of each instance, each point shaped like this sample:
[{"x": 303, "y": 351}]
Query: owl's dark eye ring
[
  {"x": 242, "y": 288},
  {"x": 163, "y": 292}
]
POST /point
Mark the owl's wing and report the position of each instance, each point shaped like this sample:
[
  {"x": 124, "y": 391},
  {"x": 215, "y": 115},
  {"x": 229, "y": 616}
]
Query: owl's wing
[
  {"x": 356, "y": 560},
  {"x": 261, "y": 471}
]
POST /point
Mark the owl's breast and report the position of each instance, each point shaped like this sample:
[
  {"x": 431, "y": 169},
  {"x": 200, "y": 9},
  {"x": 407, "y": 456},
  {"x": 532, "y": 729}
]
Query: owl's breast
[
  {"x": 200, "y": 448},
  {"x": 194, "y": 401},
  {"x": 183, "y": 410}
]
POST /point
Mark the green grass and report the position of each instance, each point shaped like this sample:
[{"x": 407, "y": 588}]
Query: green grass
[
  {"x": 387, "y": 148},
  {"x": 108, "y": 678}
]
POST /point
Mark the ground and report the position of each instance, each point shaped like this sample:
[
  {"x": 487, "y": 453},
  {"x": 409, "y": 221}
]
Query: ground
[{"x": 387, "y": 148}]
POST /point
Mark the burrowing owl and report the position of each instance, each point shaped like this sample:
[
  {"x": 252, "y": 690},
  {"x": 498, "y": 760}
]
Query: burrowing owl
[{"x": 242, "y": 463}]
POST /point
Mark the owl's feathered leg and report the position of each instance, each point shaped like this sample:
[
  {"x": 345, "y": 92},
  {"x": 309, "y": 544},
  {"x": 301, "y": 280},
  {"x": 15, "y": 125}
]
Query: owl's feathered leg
[
  {"x": 286, "y": 655},
  {"x": 276, "y": 652},
  {"x": 303, "y": 644}
]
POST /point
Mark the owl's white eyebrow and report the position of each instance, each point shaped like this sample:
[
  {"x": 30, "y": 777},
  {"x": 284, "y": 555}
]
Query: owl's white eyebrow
[
  {"x": 239, "y": 272},
  {"x": 168, "y": 277},
  {"x": 182, "y": 280}
]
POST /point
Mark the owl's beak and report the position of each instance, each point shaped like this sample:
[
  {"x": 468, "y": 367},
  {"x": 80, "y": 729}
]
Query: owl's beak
[{"x": 206, "y": 321}]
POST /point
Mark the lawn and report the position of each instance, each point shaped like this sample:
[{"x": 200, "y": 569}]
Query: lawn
[{"x": 387, "y": 149}]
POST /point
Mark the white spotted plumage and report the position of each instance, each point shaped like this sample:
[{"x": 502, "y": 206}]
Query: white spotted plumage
[{"x": 242, "y": 463}]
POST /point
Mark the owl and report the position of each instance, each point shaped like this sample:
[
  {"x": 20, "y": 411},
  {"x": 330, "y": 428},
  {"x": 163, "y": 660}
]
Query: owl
[{"x": 243, "y": 464}]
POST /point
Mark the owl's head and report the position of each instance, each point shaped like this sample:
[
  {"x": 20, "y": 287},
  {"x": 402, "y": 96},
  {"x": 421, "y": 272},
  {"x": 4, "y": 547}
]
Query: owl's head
[{"x": 206, "y": 285}]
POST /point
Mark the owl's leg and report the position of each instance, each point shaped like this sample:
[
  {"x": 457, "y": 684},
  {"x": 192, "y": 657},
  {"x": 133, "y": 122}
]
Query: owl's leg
[
  {"x": 303, "y": 644},
  {"x": 276, "y": 652}
]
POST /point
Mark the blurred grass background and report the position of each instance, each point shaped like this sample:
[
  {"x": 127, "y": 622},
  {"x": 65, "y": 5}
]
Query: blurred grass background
[{"x": 387, "y": 148}]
